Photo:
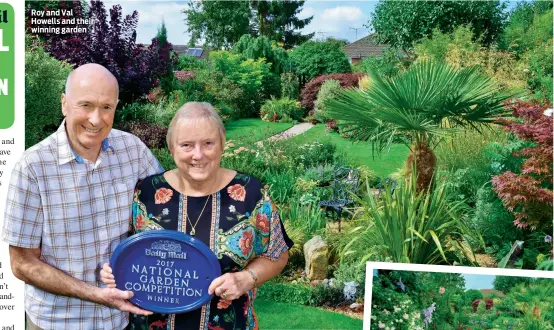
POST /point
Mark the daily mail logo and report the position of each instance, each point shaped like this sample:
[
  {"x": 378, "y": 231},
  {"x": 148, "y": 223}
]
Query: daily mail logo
[{"x": 7, "y": 66}]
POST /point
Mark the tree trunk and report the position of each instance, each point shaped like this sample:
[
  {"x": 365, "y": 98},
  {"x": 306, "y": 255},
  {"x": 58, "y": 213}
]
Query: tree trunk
[{"x": 425, "y": 164}]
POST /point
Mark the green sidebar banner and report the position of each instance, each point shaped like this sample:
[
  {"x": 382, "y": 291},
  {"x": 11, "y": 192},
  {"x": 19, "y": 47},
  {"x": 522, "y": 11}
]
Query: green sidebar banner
[{"x": 7, "y": 66}]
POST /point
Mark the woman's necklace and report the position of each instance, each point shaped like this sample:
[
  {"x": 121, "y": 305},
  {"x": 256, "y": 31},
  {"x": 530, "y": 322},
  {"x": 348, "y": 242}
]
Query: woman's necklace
[{"x": 193, "y": 230}]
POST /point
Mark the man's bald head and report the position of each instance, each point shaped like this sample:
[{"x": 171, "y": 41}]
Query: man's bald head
[
  {"x": 89, "y": 104},
  {"x": 89, "y": 73}
]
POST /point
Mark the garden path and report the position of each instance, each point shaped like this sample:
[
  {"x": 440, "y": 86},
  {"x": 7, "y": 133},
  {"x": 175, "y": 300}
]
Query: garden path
[{"x": 293, "y": 131}]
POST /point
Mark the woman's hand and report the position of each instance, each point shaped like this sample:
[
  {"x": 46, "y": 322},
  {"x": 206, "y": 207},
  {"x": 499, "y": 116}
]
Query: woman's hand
[
  {"x": 106, "y": 275},
  {"x": 231, "y": 286}
]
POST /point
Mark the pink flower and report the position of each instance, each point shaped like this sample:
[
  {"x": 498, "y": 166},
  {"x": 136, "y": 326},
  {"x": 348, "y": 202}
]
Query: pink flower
[{"x": 441, "y": 290}]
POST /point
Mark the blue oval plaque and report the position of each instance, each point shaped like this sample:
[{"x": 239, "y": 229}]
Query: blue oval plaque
[{"x": 168, "y": 271}]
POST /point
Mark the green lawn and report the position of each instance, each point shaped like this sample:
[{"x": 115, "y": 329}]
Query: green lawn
[
  {"x": 359, "y": 153},
  {"x": 245, "y": 132},
  {"x": 272, "y": 315}
]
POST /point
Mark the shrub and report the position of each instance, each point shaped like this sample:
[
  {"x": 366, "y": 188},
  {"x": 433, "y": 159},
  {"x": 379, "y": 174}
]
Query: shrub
[
  {"x": 222, "y": 90},
  {"x": 110, "y": 41},
  {"x": 528, "y": 194},
  {"x": 388, "y": 64},
  {"x": 276, "y": 109},
  {"x": 290, "y": 87},
  {"x": 278, "y": 156},
  {"x": 319, "y": 295},
  {"x": 471, "y": 295},
  {"x": 312, "y": 59},
  {"x": 540, "y": 67},
  {"x": 528, "y": 35},
  {"x": 187, "y": 63},
  {"x": 506, "y": 283},
  {"x": 323, "y": 174},
  {"x": 315, "y": 153},
  {"x": 261, "y": 47},
  {"x": 352, "y": 272},
  {"x": 478, "y": 302},
  {"x": 309, "y": 93},
  {"x": 44, "y": 83},
  {"x": 152, "y": 135},
  {"x": 159, "y": 113},
  {"x": 459, "y": 50},
  {"x": 251, "y": 75},
  {"x": 165, "y": 158},
  {"x": 464, "y": 156},
  {"x": 329, "y": 90},
  {"x": 384, "y": 312},
  {"x": 331, "y": 126}
]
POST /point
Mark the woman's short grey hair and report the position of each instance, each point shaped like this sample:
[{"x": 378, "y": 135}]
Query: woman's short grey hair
[{"x": 194, "y": 112}]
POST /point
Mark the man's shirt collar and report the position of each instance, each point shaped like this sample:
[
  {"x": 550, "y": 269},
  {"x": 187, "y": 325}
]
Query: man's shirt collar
[{"x": 67, "y": 154}]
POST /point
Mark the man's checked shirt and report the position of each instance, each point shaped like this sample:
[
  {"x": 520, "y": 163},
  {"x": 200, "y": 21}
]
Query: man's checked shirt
[{"x": 76, "y": 212}]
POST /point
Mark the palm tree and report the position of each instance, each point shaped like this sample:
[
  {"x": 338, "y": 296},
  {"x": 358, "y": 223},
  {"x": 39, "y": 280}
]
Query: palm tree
[{"x": 427, "y": 102}]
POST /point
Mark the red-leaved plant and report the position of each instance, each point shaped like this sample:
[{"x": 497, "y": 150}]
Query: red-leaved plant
[
  {"x": 310, "y": 91},
  {"x": 529, "y": 194}
]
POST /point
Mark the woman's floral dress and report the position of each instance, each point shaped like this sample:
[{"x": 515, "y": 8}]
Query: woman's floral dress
[{"x": 239, "y": 223}]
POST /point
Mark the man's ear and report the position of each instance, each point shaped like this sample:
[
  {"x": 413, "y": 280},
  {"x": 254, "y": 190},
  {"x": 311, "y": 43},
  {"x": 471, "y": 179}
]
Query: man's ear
[{"x": 64, "y": 105}]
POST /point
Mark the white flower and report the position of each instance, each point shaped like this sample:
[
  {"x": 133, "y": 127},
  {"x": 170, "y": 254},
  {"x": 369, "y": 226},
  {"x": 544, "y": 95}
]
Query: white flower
[
  {"x": 405, "y": 316},
  {"x": 381, "y": 325},
  {"x": 396, "y": 309},
  {"x": 165, "y": 211},
  {"x": 232, "y": 209}
]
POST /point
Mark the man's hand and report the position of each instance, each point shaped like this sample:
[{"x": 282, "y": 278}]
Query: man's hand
[
  {"x": 27, "y": 267},
  {"x": 119, "y": 299}
]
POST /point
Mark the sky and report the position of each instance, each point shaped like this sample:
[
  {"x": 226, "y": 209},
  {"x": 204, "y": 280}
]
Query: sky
[
  {"x": 473, "y": 281},
  {"x": 478, "y": 282},
  {"x": 338, "y": 19}
]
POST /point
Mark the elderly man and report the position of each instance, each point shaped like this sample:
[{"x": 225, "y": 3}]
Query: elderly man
[{"x": 68, "y": 207}]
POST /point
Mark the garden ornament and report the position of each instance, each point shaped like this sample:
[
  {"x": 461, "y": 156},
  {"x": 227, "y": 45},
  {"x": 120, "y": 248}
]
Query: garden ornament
[
  {"x": 349, "y": 290},
  {"x": 345, "y": 182}
]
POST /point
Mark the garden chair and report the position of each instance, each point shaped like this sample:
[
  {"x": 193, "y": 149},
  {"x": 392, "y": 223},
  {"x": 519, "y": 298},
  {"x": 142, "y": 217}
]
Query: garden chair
[
  {"x": 387, "y": 182},
  {"x": 345, "y": 182}
]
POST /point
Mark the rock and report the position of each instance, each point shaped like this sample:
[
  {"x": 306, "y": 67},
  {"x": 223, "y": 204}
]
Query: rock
[
  {"x": 356, "y": 307},
  {"x": 315, "y": 253},
  {"x": 326, "y": 281}
]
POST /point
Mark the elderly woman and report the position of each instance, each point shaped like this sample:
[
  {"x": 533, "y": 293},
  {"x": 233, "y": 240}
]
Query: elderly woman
[{"x": 228, "y": 211}]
